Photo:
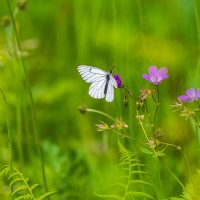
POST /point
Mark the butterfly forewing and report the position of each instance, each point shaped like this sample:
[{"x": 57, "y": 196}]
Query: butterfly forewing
[{"x": 91, "y": 74}]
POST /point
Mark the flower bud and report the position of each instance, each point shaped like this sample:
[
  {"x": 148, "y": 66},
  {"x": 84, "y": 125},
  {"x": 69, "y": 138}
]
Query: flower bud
[{"x": 125, "y": 101}]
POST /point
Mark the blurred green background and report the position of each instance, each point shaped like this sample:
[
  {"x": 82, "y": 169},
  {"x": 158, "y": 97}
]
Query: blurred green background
[{"x": 58, "y": 35}]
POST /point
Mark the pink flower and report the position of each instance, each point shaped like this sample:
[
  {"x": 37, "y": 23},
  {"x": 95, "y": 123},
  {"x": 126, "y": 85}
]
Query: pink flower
[
  {"x": 190, "y": 95},
  {"x": 156, "y": 76}
]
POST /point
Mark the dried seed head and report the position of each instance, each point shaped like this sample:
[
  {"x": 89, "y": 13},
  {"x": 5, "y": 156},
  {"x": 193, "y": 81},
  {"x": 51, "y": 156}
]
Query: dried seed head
[
  {"x": 145, "y": 93},
  {"x": 5, "y": 21},
  {"x": 82, "y": 109},
  {"x": 21, "y": 4},
  {"x": 119, "y": 124}
]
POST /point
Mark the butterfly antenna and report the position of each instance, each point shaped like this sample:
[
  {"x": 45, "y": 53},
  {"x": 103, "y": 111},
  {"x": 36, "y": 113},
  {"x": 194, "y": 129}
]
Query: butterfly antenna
[{"x": 112, "y": 68}]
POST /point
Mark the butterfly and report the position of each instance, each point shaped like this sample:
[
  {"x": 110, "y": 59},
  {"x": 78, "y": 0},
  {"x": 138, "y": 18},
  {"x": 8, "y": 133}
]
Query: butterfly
[{"x": 102, "y": 83}]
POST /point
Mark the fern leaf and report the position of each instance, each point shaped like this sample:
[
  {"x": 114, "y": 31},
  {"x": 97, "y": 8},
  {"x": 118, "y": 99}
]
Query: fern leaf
[
  {"x": 13, "y": 175},
  {"x": 33, "y": 187},
  {"x": 192, "y": 189},
  {"x": 140, "y": 182},
  {"x": 109, "y": 196},
  {"x": 119, "y": 184},
  {"x": 46, "y": 195},
  {"x": 137, "y": 165},
  {"x": 4, "y": 171},
  {"x": 22, "y": 188},
  {"x": 15, "y": 181},
  {"x": 139, "y": 194},
  {"x": 138, "y": 172},
  {"x": 24, "y": 197}
]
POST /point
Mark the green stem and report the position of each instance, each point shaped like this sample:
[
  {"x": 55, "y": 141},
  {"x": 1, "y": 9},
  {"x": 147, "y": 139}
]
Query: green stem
[
  {"x": 137, "y": 114},
  {"x": 37, "y": 138},
  {"x": 100, "y": 112},
  {"x": 129, "y": 137},
  {"x": 172, "y": 173},
  {"x": 148, "y": 115},
  {"x": 198, "y": 105},
  {"x": 168, "y": 144},
  {"x": 8, "y": 129},
  {"x": 197, "y": 17},
  {"x": 157, "y": 103}
]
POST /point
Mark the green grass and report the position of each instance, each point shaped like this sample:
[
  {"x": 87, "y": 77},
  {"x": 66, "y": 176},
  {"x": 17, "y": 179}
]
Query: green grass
[{"x": 43, "y": 92}]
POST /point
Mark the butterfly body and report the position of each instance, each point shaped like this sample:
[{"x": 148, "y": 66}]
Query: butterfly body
[{"x": 102, "y": 83}]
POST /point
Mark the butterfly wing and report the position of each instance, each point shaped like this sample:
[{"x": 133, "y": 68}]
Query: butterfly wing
[
  {"x": 96, "y": 89},
  {"x": 91, "y": 74},
  {"x": 99, "y": 81},
  {"x": 96, "y": 77},
  {"x": 110, "y": 91}
]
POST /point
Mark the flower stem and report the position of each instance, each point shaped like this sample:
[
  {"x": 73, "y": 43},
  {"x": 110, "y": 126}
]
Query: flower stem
[
  {"x": 198, "y": 104},
  {"x": 172, "y": 173},
  {"x": 129, "y": 137},
  {"x": 100, "y": 112},
  {"x": 137, "y": 114},
  {"x": 157, "y": 103},
  {"x": 37, "y": 138}
]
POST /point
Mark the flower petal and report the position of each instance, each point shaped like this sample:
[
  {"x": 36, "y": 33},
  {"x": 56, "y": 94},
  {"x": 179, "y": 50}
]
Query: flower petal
[
  {"x": 190, "y": 92},
  {"x": 184, "y": 98},
  {"x": 163, "y": 73},
  {"x": 118, "y": 79},
  {"x": 153, "y": 71},
  {"x": 146, "y": 76},
  {"x": 197, "y": 93}
]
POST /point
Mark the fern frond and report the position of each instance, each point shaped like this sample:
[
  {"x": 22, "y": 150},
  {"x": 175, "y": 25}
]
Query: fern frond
[
  {"x": 20, "y": 187},
  {"x": 132, "y": 178},
  {"x": 46, "y": 195},
  {"x": 192, "y": 189}
]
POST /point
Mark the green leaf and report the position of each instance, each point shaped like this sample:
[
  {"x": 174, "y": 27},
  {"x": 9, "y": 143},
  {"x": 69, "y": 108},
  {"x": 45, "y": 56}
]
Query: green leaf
[{"x": 147, "y": 151}]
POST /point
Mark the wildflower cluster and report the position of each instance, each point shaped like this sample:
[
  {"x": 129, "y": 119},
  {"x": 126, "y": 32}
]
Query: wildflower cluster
[
  {"x": 145, "y": 116},
  {"x": 119, "y": 124},
  {"x": 188, "y": 105}
]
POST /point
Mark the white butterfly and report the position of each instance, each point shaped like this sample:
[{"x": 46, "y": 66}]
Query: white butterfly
[{"x": 102, "y": 83}]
